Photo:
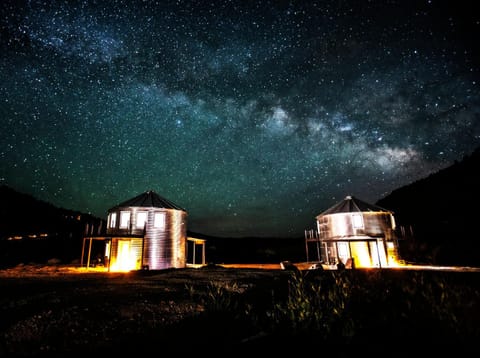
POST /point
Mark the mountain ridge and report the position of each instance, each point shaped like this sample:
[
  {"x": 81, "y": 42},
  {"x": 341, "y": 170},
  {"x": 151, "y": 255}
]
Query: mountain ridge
[{"x": 441, "y": 210}]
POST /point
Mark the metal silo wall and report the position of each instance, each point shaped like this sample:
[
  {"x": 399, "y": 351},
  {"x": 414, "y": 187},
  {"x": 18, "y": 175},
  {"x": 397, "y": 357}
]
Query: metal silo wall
[
  {"x": 376, "y": 223},
  {"x": 335, "y": 226},
  {"x": 340, "y": 225},
  {"x": 165, "y": 248},
  {"x": 179, "y": 239},
  {"x": 136, "y": 250}
]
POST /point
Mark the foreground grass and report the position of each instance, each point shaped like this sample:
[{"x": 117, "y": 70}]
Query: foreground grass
[{"x": 230, "y": 310}]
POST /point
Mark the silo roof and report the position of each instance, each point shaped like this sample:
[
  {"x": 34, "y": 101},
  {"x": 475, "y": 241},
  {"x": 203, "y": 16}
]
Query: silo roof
[
  {"x": 149, "y": 199},
  {"x": 352, "y": 204}
]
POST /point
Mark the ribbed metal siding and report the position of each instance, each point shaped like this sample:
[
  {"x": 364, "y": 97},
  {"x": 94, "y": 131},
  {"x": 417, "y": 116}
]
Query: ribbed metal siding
[
  {"x": 162, "y": 247},
  {"x": 338, "y": 226},
  {"x": 166, "y": 248},
  {"x": 377, "y": 224}
]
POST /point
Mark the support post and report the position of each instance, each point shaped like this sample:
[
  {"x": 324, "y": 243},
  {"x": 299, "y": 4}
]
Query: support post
[
  {"x": 194, "y": 249},
  {"x": 306, "y": 245},
  {"x": 83, "y": 252},
  {"x": 89, "y": 252}
]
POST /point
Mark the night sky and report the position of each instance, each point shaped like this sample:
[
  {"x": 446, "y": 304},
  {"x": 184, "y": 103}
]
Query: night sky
[{"x": 254, "y": 116}]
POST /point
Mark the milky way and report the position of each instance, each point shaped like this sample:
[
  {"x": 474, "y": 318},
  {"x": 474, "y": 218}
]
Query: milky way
[{"x": 253, "y": 116}]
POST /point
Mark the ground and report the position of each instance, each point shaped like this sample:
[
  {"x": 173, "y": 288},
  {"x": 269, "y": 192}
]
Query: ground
[
  {"x": 61, "y": 308},
  {"x": 57, "y": 310}
]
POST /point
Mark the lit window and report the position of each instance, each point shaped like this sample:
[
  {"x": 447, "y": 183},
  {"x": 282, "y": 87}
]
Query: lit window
[
  {"x": 357, "y": 221},
  {"x": 392, "y": 221},
  {"x": 159, "y": 221},
  {"x": 141, "y": 219},
  {"x": 113, "y": 220},
  {"x": 124, "y": 219}
]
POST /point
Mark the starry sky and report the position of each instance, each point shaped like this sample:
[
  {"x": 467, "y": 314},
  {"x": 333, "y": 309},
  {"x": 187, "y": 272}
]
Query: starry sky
[{"x": 254, "y": 116}]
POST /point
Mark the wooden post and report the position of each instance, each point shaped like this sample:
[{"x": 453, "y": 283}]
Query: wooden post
[
  {"x": 110, "y": 254},
  {"x": 143, "y": 249},
  {"x": 83, "y": 252},
  {"x": 306, "y": 244},
  {"x": 89, "y": 252},
  {"x": 317, "y": 244},
  {"x": 326, "y": 253},
  {"x": 378, "y": 254},
  {"x": 194, "y": 249}
]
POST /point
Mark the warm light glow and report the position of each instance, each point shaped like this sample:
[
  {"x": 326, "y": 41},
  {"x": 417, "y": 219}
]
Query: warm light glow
[
  {"x": 15, "y": 238},
  {"x": 374, "y": 254},
  {"x": 360, "y": 254},
  {"x": 126, "y": 258},
  {"x": 393, "y": 262}
]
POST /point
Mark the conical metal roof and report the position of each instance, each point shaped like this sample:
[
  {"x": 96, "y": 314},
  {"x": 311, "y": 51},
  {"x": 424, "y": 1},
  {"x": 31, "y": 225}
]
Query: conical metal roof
[
  {"x": 149, "y": 199},
  {"x": 352, "y": 204}
]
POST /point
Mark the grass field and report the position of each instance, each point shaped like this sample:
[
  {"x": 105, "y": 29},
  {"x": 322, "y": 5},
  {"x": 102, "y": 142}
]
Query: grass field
[{"x": 65, "y": 310}]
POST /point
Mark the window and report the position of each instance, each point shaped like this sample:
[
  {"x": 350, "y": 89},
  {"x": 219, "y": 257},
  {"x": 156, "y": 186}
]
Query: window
[
  {"x": 113, "y": 220},
  {"x": 159, "y": 221},
  {"x": 141, "y": 219},
  {"x": 357, "y": 220},
  {"x": 124, "y": 219}
]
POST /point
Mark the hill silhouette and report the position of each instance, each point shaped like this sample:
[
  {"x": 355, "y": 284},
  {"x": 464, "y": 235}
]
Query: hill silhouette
[
  {"x": 442, "y": 211},
  {"x": 22, "y": 215},
  {"x": 252, "y": 249},
  {"x": 32, "y": 230}
]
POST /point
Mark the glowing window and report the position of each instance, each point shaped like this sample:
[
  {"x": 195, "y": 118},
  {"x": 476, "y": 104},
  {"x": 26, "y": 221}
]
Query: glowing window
[
  {"x": 113, "y": 220},
  {"x": 141, "y": 219},
  {"x": 159, "y": 221},
  {"x": 124, "y": 219},
  {"x": 392, "y": 220},
  {"x": 357, "y": 220}
]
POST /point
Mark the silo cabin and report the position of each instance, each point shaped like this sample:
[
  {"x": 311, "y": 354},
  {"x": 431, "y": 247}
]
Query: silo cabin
[
  {"x": 145, "y": 232},
  {"x": 355, "y": 234}
]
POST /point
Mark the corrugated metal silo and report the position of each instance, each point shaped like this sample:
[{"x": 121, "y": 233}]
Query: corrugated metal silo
[
  {"x": 356, "y": 230},
  {"x": 147, "y": 231}
]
